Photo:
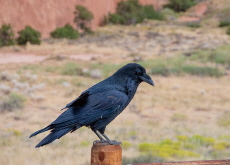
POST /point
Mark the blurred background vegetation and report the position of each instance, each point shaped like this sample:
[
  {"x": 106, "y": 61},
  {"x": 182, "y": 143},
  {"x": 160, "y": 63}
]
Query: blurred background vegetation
[{"x": 183, "y": 44}]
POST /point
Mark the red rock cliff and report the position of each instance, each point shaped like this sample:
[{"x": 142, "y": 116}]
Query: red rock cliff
[{"x": 47, "y": 15}]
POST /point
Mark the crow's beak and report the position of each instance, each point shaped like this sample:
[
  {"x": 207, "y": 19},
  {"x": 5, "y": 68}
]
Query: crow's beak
[{"x": 147, "y": 79}]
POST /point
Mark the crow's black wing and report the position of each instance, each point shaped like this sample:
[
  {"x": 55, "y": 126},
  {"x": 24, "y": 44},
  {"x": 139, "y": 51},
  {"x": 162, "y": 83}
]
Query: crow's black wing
[
  {"x": 80, "y": 100},
  {"x": 96, "y": 106}
]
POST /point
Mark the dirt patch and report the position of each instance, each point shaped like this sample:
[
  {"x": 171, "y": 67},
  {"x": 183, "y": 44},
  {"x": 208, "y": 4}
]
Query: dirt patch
[{"x": 6, "y": 58}]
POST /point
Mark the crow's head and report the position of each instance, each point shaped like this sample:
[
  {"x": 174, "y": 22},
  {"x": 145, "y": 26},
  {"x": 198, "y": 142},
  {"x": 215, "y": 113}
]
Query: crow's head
[{"x": 135, "y": 71}]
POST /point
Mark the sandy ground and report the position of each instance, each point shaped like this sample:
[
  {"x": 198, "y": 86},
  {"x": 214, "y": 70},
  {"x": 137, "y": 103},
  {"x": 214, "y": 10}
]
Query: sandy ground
[{"x": 32, "y": 58}]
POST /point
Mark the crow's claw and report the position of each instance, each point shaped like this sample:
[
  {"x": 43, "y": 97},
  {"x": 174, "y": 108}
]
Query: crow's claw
[{"x": 114, "y": 142}]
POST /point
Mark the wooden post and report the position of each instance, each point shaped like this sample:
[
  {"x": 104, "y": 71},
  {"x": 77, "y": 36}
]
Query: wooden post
[{"x": 105, "y": 154}]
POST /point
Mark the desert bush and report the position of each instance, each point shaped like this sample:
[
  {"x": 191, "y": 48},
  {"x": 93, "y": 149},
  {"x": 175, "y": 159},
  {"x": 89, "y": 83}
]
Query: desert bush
[
  {"x": 65, "y": 32},
  {"x": 202, "y": 71},
  {"x": 195, "y": 24},
  {"x": 177, "y": 66},
  {"x": 13, "y": 102},
  {"x": 166, "y": 149},
  {"x": 85, "y": 143},
  {"x": 132, "y": 12},
  {"x": 83, "y": 18},
  {"x": 228, "y": 30},
  {"x": 178, "y": 117},
  {"x": 224, "y": 22},
  {"x": 15, "y": 132},
  {"x": 224, "y": 120},
  {"x": 29, "y": 35},
  {"x": 6, "y": 35},
  {"x": 186, "y": 147},
  {"x": 164, "y": 70},
  {"x": 71, "y": 69},
  {"x": 146, "y": 158},
  {"x": 180, "y": 5},
  {"x": 219, "y": 56},
  {"x": 126, "y": 145}
]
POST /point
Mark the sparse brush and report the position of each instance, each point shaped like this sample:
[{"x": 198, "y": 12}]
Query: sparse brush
[
  {"x": 146, "y": 158},
  {"x": 177, "y": 66},
  {"x": 186, "y": 147},
  {"x": 193, "y": 24},
  {"x": 126, "y": 145},
  {"x": 71, "y": 69},
  {"x": 85, "y": 143},
  {"x": 219, "y": 56},
  {"x": 228, "y": 30},
  {"x": 202, "y": 71},
  {"x": 13, "y": 102},
  {"x": 178, "y": 117},
  {"x": 224, "y": 120},
  {"x": 224, "y": 23}
]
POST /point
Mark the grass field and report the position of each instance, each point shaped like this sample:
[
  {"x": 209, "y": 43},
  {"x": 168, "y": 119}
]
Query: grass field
[{"x": 186, "y": 116}]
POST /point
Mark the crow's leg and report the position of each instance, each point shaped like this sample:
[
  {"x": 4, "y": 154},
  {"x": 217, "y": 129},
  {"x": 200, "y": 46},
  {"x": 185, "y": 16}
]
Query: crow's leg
[
  {"x": 102, "y": 140},
  {"x": 112, "y": 142}
]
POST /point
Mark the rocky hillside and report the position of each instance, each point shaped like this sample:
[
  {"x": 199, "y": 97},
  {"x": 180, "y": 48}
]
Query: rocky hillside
[{"x": 45, "y": 16}]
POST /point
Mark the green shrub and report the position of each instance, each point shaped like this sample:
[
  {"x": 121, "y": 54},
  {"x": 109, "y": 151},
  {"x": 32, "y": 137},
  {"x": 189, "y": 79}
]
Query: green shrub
[
  {"x": 146, "y": 158},
  {"x": 224, "y": 120},
  {"x": 29, "y": 35},
  {"x": 71, "y": 69},
  {"x": 15, "y": 132},
  {"x": 185, "y": 147},
  {"x": 65, "y": 32},
  {"x": 178, "y": 117},
  {"x": 132, "y": 12},
  {"x": 219, "y": 56},
  {"x": 225, "y": 22},
  {"x": 85, "y": 143},
  {"x": 195, "y": 24},
  {"x": 166, "y": 149},
  {"x": 198, "y": 140},
  {"x": 228, "y": 31},
  {"x": 13, "y": 102},
  {"x": 165, "y": 71},
  {"x": 126, "y": 145},
  {"x": 6, "y": 35},
  {"x": 180, "y": 5},
  {"x": 83, "y": 18},
  {"x": 202, "y": 71},
  {"x": 149, "y": 13}
]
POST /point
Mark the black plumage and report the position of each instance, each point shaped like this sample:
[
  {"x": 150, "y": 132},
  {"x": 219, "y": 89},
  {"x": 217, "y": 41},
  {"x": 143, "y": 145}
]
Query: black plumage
[{"x": 99, "y": 105}]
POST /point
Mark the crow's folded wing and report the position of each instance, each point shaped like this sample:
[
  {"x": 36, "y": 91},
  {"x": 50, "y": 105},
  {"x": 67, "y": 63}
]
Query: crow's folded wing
[
  {"x": 80, "y": 100},
  {"x": 96, "y": 106}
]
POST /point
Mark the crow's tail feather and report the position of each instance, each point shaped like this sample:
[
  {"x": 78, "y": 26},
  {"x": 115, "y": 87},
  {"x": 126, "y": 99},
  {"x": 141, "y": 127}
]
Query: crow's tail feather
[
  {"x": 40, "y": 131},
  {"x": 53, "y": 136}
]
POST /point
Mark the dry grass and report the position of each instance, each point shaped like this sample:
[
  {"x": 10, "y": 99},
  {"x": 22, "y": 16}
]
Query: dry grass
[
  {"x": 150, "y": 117},
  {"x": 147, "y": 119}
]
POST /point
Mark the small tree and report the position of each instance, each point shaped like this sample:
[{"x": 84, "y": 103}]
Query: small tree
[
  {"x": 6, "y": 35},
  {"x": 65, "y": 32},
  {"x": 180, "y": 5},
  {"x": 83, "y": 18},
  {"x": 29, "y": 35}
]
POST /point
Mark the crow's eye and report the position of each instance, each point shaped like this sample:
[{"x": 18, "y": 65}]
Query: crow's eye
[{"x": 137, "y": 73}]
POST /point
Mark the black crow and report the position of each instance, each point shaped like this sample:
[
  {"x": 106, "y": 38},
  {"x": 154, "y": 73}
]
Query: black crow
[{"x": 99, "y": 105}]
